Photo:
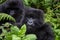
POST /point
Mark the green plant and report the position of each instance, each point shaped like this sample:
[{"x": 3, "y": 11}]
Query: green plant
[
  {"x": 4, "y": 16},
  {"x": 16, "y": 34},
  {"x": 1, "y": 1}
]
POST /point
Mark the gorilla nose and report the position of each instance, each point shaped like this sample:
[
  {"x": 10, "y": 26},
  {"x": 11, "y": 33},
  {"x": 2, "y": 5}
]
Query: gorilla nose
[
  {"x": 30, "y": 22},
  {"x": 12, "y": 12}
]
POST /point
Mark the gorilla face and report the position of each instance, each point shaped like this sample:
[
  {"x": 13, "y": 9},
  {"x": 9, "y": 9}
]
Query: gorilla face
[
  {"x": 30, "y": 21},
  {"x": 12, "y": 9},
  {"x": 34, "y": 18}
]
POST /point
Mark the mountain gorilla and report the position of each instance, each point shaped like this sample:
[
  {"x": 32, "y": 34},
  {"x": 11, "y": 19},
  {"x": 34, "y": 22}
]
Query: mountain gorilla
[
  {"x": 15, "y": 8},
  {"x": 34, "y": 20}
]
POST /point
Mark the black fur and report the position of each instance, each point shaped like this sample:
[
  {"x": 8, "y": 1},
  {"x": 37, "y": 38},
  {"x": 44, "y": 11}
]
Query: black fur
[
  {"x": 42, "y": 30},
  {"x": 15, "y": 8}
]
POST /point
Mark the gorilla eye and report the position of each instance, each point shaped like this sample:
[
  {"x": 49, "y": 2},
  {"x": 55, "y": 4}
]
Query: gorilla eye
[{"x": 31, "y": 16}]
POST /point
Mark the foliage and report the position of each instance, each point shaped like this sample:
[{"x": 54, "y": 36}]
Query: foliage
[
  {"x": 1, "y": 1},
  {"x": 15, "y": 33},
  {"x": 4, "y": 16},
  {"x": 54, "y": 21}
]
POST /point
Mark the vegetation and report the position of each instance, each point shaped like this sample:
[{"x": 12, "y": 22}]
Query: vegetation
[
  {"x": 15, "y": 33},
  {"x": 4, "y": 16},
  {"x": 52, "y": 14}
]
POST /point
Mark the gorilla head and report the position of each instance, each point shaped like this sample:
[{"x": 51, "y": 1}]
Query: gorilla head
[
  {"x": 34, "y": 18},
  {"x": 15, "y": 8}
]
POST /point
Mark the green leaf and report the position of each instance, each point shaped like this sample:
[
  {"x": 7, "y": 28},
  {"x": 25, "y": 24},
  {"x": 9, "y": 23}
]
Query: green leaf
[
  {"x": 30, "y": 37},
  {"x": 14, "y": 30},
  {"x": 14, "y": 37},
  {"x": 7, "y": 17},
  {"x": 57, "y": 30},
  {"x": 8, "y": 36},
  {"x": 26, "y": 1},
  {"x": 34, "y": 1},
  {"x": 6, "y": 24},
  {"x": 22, "y": 30}
]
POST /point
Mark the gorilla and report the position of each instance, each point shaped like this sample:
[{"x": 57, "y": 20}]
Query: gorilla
[
  {"x": 15, "y": 8},
  {"x": 34, "y": 20}
]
